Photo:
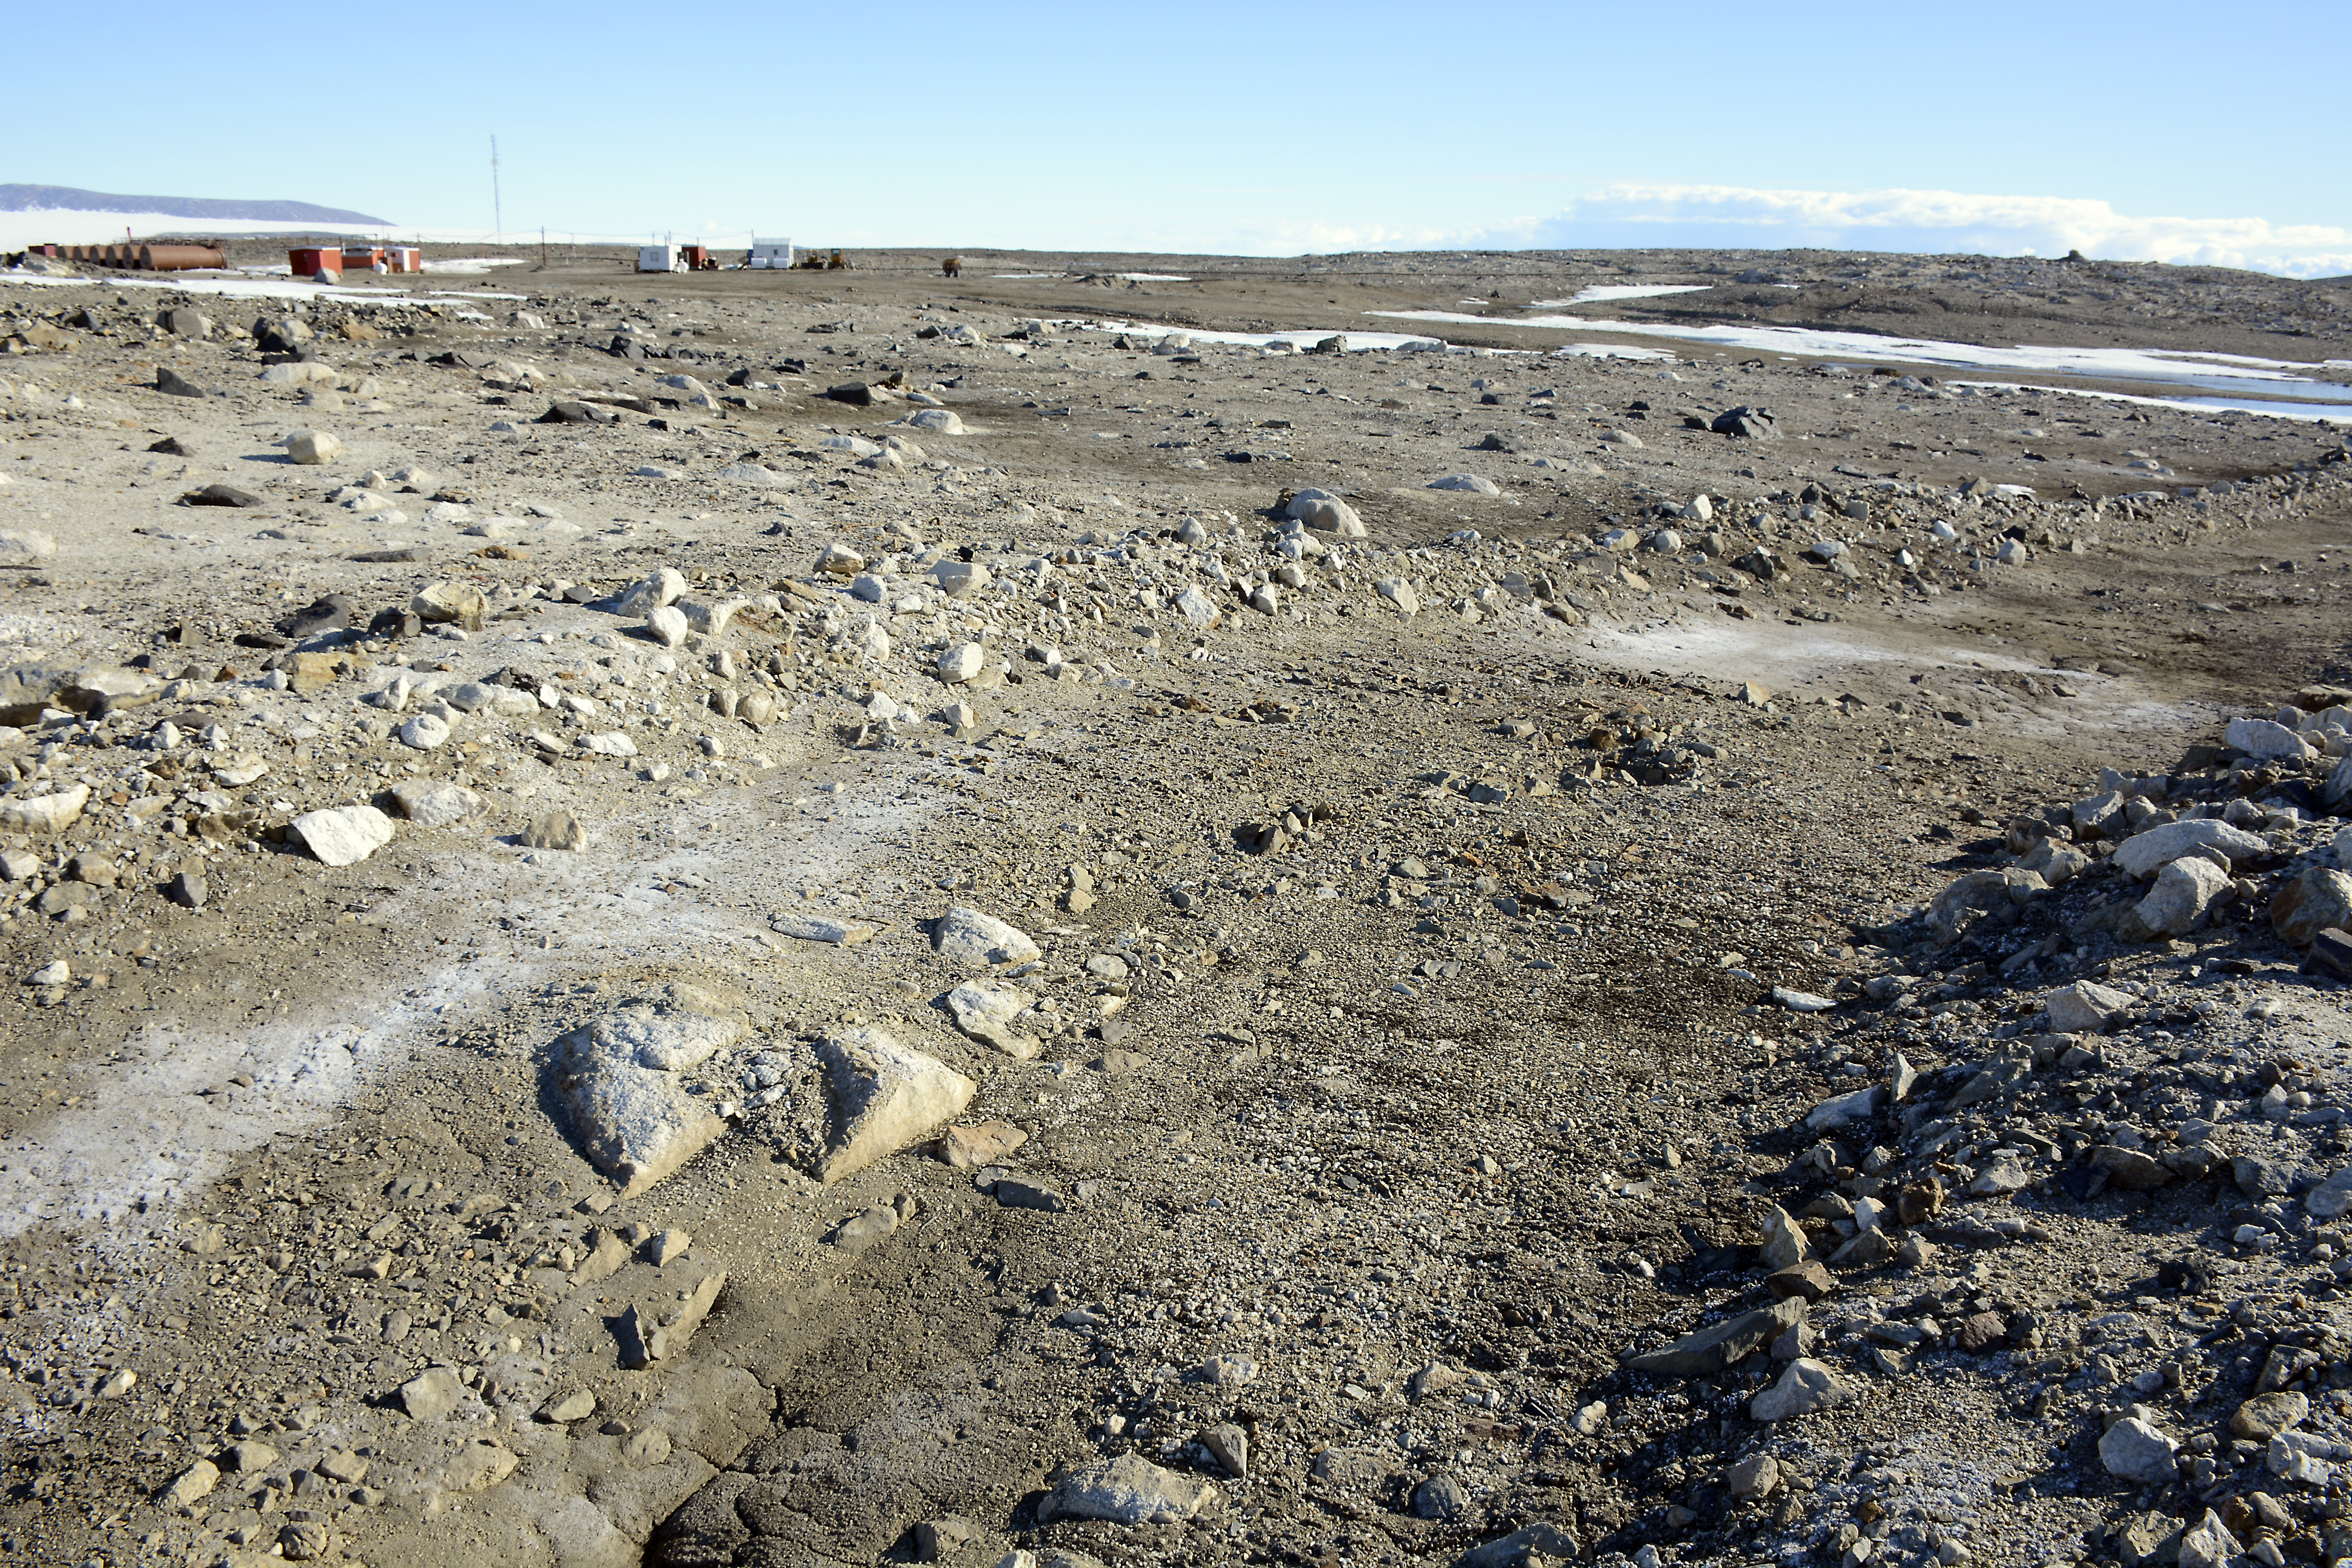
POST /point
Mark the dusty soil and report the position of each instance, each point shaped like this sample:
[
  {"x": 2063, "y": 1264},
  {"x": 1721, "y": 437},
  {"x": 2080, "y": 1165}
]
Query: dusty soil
[{"x": 1434, "y": 1112}]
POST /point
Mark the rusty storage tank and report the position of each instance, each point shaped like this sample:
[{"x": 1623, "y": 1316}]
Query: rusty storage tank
[{"x": 180, "y": 257}]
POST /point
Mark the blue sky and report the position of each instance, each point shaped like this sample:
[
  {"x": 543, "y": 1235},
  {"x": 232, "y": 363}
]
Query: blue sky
[{"x": 2160, "y": 130}]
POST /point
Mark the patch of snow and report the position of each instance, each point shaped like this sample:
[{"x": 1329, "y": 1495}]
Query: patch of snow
[
  {"x": 1601, "y": 291},
  {"x": 2111, "y": 365}
]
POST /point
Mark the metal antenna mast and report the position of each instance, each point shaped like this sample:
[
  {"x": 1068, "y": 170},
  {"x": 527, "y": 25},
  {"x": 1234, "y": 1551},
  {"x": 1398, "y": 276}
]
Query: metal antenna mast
[{"x": 497, "y": 203}]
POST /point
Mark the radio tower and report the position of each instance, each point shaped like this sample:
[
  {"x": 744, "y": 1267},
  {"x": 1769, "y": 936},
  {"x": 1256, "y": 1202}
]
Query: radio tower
[{"x": 497, "y": 203}]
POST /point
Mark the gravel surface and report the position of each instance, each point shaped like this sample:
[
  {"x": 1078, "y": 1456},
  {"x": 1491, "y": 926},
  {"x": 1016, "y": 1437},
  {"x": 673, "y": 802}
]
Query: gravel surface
[{"x": 827, "y": 917}]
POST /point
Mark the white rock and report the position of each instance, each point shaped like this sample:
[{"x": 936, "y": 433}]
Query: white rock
[
  {"x": 2310, "y": 903},
  {"x": 1197, "y": 608},
  {"x": 665, "y": 1040},
  {"x": 424, "y": 732},
  {"x": 992, "y": 1010},
  {"x": 313, "y": 448},
  {"x": 629, "y": 1099},
  {"x": 26, "y": 544},
  {"x": 57, "y": 972},
  {"x": 446, "y": 602},
  {"x": 44, "y": 813},
  {"x": 2266, "y": 739},
  {"x": 938, "y": 422},
  {"x": 613, "y": 743},
  {"x": 1128, "y": 1490},
  {"x": 2208, "y": 1545},
  {"x": 1320, "y": 510},
  {"x": 961, "y": 662},
  {"x": 2055, "y": 863},
  {"x": 887, "y": 1096},
  {"x": 748, "y": 474},
  {"x": 2183, "y": 892},
  {"x": 1785, "y": 1245},
  {"x": 1469, "y": 482},
  {"x": 2143, "y": 854},
  {"x": 970, "y": 937},
  {"x": 840, "y": 560},
  {"x": 868, "y": 640},
  {"x": 2332, "y": 1197},
  {"x": 1805, "y": 1387},
  {"x": 1399, "y": 593},
  {"x": 711, "y": 617},
  {"x": 345, "y": 835},
  {"x": 666, "y": 586},
  {"x": 667, "y": 623},
  {"x": 2136, "y": 1451},
  {"x": 822, "y": 928},
  {"x": 869, "y": 587},
  {"x": 2084, "y": 1007},
  {"x": 431, "y": 803},
  {"x": 1859, "y": 1105},
  {"x": 960, "y": 579},
  {"x": 192, "y": 1484}
]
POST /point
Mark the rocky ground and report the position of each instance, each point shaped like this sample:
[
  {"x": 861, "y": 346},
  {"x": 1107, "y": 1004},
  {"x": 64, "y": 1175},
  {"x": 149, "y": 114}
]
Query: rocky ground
[{"x": 841, "y": 917}]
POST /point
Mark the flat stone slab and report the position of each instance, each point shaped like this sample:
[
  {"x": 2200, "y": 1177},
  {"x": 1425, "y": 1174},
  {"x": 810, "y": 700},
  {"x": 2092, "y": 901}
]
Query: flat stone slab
[
  {"x": 345, "y": 835},
  {"x": 982, "y": 941},
  {"x": 1129, "y": 1490},
  {"x": 992, "y": 1010}
]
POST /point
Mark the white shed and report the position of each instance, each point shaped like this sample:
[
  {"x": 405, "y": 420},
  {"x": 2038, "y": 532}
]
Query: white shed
[
  {"x": 659, "y": 258},
  {"x": 772, "y": 253}
]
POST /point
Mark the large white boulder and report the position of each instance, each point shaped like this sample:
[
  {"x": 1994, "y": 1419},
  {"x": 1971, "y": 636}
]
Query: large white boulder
[
  {"x": 2183, "y": 892},
  {"x": 886, "y": 1097},
  {"x": 664, "y": 587},
  {"x": 970, "y": 937},
  {"x": 44, "y": 813},
  {"x": 2265, "y": 738},
  {"x": 1129, "y": 1490},
  {"x": 2144, "y": 854},
  {"x": 345, "y": 835},
  {"x": 993, "y": 1010},
  {"x": 313, "y": 448},
  {"x": 2084, "y": 1007},
  {"x": 2313, "y": 901},
  {"x": 627, "y": 1078},
  {"x": 1322, "y": 510}
]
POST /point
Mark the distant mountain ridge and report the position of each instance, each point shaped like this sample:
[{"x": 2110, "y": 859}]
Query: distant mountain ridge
[{"x": 64, "y": 198}]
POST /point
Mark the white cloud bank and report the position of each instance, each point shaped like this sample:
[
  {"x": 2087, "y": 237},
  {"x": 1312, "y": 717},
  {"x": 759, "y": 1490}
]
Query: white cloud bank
[{"x": 1930, "y": 221}]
